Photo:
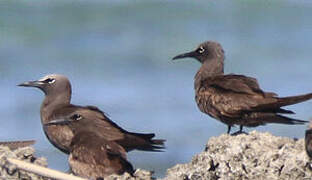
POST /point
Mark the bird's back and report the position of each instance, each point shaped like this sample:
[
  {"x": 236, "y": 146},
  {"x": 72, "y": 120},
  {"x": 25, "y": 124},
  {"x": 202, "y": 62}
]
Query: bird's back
[{"x": 238, "y": 99}]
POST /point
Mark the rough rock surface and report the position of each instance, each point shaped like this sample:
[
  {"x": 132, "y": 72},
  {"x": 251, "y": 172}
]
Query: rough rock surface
[
  {"x": 253, "y": 156},
  {"x": 9, "y": 171},
  {"x": 138, "y": 175}
]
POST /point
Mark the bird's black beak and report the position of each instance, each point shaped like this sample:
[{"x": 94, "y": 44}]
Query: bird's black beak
[
  {"x": 31, "y": 84},
  {"x": 191, "y": 54},
  {"x": 57, "y": 122}
]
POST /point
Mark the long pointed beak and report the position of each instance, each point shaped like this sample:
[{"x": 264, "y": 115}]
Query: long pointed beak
[
  {"x": 31, "y": 84},
  {"x": 191, "y": 54},
  {"x": 57, "y": 122}
]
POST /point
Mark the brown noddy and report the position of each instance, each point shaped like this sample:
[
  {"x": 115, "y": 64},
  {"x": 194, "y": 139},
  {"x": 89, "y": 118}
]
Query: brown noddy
[
  {"x": 236, "y": 99},
  {"x": 91, "y": 155},
  {"x": 17, "y": 144},
  {"x": 56, "y": 105}
]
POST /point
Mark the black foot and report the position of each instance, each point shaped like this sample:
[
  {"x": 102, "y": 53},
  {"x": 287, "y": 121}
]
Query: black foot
[{"x": 238, "y": 133}]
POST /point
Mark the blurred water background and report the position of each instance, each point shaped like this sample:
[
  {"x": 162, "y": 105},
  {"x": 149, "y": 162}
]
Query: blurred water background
[{"x": 117, "y": 55}]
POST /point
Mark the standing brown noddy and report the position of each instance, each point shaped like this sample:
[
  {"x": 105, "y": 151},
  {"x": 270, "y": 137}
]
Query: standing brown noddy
[
  {"x": 236, "y": 99},
  {"x": 57, "y": 105},
  {"x": 308, "y": 140},
  {"x": 91, "y": 155},
  {"x": 17, "y": 144}
]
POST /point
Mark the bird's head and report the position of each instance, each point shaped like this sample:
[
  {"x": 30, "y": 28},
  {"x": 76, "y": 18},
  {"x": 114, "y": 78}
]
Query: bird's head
[
  {"x": 204, "y": 52},
  {"x": 66, "y": 120},
  {"x": 50, "y": 84}
]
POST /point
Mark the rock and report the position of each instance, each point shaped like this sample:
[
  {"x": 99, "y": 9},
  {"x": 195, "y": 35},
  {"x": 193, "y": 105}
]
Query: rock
[
  {"x": 139, "y": 174},
  {"x": 8, "y": 171},
  {"x": 254, "y": 156}
]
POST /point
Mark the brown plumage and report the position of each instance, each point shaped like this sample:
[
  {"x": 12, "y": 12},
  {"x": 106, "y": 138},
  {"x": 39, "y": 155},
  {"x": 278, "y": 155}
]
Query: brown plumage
[
  {"x": 56, "y": 105},
  {"x": 308, "y": 140},
  {"x": 17, "y": 144},
  {"x": 91, "y": 155},
  {"x": 236, "y": 99}
]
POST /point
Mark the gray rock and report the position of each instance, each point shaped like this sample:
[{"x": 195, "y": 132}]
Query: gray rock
[
  {"x": 139, "y": 174},
  {"x": 9, "y": 171},
  {"x": 254, "y": 156}
]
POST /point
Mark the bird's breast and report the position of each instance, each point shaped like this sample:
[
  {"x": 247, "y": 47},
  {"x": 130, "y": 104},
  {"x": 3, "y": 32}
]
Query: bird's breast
[
  {"x": 205, "y": 103},
  {"x": 59, "y": 136}
]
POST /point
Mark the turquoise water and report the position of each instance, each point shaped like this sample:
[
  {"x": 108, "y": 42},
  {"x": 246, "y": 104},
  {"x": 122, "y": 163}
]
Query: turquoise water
[{"x": 117, "y": 55}]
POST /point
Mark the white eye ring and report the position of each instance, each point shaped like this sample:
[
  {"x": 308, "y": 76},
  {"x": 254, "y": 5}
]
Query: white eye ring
[
  {"x": 76, "y": 117},
  {"x": 51, "y": 82},
  {"x": 201, "y": 49}
]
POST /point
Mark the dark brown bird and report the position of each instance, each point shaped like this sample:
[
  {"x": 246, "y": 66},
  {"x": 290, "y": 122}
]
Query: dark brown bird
[
  {"x": 308, "y": 140},
  {"x": 56, "y": 105},
  {"x": 236, "y": 99},
  {"x": 17, "y": 144},
  {"x": 91, "y": 155}
]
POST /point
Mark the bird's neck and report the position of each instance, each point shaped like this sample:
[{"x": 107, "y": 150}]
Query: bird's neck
[
  {"x": 213, "y": 67},
  {"x": 209, "y": 68},
  {"x": 52, "y": 102}
]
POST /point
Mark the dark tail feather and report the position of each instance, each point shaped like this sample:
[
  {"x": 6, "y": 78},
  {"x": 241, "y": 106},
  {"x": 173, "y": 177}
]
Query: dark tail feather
[
  {"x": 144, "y": 142},
  {"x": 284, "y": 111},
  {"x": 264, "y": 118},
  {"x": 285, "y": 101},
  {"x": 283, "y": 120},
  {"x": 155, "y": 145}
]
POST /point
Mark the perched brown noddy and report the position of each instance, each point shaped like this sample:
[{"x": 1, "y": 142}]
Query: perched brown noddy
[
  {"x": 236, "y": 99},
  {"x": 17, "y": 144},
  {"x": 308, "y": 140},
  {"x": 57, "y": 105},
  {"x": 91, "y": 155}
]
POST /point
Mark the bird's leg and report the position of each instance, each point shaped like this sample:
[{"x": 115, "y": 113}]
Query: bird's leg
[
  {"x": 240, "y": 131},
  {"x": 229, "y": 129},
  {"x": 241, "y": 128}
]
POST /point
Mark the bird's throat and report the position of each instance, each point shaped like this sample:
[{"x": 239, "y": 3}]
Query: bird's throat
[{"x": 51, "y": 103}]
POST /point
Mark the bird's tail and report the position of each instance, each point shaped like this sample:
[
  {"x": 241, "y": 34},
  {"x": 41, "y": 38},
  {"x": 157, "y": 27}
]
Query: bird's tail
[
  {"x": 284, "y": 120},
  {"x": 264, "y": 118},
  {"x": 143, "y": 142},
  {"x": 284, "y": 101}
]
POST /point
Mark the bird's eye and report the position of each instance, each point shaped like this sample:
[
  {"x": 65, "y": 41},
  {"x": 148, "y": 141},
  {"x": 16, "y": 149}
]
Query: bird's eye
[
  {"x": 201, "y": 50},
  {"x": 49, "y": 80},
  {"x": 76, "y": 117}
]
